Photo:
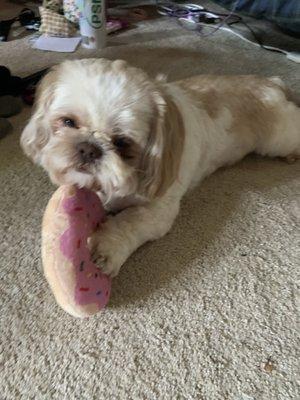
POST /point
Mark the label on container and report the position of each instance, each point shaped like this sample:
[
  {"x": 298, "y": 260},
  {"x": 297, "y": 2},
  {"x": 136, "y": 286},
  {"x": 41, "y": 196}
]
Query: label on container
[
  {"x": 92, "y": 23},
  {"x": 94, "y": 13}
]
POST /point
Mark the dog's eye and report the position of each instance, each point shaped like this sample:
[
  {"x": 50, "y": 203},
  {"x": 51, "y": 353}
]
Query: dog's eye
[
  {"x": 120, "y": 143},
  {"x": 69, "y": 122}
]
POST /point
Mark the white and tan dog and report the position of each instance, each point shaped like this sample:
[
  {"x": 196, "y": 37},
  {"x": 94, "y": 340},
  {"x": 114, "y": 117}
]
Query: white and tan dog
[{"x": 141, "y": 144}]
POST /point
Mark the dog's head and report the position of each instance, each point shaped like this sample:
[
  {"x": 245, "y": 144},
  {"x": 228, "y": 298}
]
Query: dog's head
[{"x": 107, "y": 126}]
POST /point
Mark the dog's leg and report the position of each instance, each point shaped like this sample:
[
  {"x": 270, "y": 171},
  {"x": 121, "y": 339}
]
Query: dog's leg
[
  {"x": 123, "y": 233},
  {"x": 284, "y": 140}
]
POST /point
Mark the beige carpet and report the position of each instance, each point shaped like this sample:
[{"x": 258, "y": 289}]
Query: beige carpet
[{"x": 208, "y": 312}]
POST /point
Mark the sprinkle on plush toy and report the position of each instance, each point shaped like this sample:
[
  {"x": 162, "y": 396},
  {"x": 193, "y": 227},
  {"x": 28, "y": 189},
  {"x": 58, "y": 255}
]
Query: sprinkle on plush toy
[{"x": 78, "y": 285}]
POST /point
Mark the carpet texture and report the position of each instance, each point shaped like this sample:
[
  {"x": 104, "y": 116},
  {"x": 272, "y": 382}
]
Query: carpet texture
[{"x": 208, "y": 312}]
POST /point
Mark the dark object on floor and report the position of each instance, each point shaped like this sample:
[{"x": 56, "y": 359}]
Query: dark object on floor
[
  {"x": 4, "y": 73},
  {"x": 10, "y": 85},
  {"x": 5, "y": 28},
  {"x": 15, "y": 86},
  {"x": 34, "y": 78},
  {"x": 29, "y": 95},
  {"x": 5, "y": 127},
  {"x": 10, "y": 106},
  {"x": 28, "y": 19}
]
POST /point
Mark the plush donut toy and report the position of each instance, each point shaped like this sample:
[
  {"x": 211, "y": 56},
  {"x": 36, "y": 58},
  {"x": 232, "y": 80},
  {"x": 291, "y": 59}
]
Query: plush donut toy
[{"x": 71, "y": 216}]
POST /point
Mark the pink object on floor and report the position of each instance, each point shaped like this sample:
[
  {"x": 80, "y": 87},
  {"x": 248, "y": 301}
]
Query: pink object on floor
[{"x": 79, "y": 286}]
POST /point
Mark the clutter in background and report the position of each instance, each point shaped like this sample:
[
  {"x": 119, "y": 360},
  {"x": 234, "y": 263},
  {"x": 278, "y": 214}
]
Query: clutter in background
[
  {"x": 61, "y": 18},
  {"x": 55, "y": 24},
  {"x": 284, "y": 13},
  {"x": 72, "y": 11},
  {"x": 206, "y": 22},
  {"x": 26, "y": 20}
]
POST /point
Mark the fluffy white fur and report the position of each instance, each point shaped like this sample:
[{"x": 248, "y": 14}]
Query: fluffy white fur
[{"x": 175, "y": 135}]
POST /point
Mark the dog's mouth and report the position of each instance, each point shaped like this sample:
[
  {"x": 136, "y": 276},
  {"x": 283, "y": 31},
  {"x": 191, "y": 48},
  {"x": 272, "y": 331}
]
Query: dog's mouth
[
  {"x": 83, "y": 168},
  {"x": 96, "y": 186},
  {"x": 86, "y": 169},
  {"x": 79, "y": 176}
]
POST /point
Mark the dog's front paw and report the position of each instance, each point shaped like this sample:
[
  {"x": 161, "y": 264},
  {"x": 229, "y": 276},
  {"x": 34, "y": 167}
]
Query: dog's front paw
[
  {"x": 107, "y": 254},
  {"x": 109, "y": 264}
]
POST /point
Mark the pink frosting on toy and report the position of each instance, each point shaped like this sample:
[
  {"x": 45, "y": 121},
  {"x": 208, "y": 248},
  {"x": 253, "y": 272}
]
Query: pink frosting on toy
[{"x": 85, "y": 213}]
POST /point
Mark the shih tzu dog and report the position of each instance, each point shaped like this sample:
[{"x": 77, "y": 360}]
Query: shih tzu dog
[{"x": 142, "y": 143}]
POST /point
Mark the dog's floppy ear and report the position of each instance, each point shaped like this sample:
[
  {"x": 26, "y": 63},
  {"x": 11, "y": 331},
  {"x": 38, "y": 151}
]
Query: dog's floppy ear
[
  {"x": 161, "y": 160},
  {"x": 36, "y": 133}
]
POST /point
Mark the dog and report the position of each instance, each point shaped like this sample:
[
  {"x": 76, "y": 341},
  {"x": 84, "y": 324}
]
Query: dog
[{"x": 142, "y": 143}]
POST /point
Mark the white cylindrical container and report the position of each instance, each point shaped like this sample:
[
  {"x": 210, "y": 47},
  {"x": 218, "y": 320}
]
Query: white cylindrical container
[{"x": 92, "y": 23}]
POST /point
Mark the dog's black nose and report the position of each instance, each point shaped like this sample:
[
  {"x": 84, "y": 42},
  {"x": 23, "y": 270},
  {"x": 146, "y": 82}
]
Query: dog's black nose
[{"x": 88, "y": 152}]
